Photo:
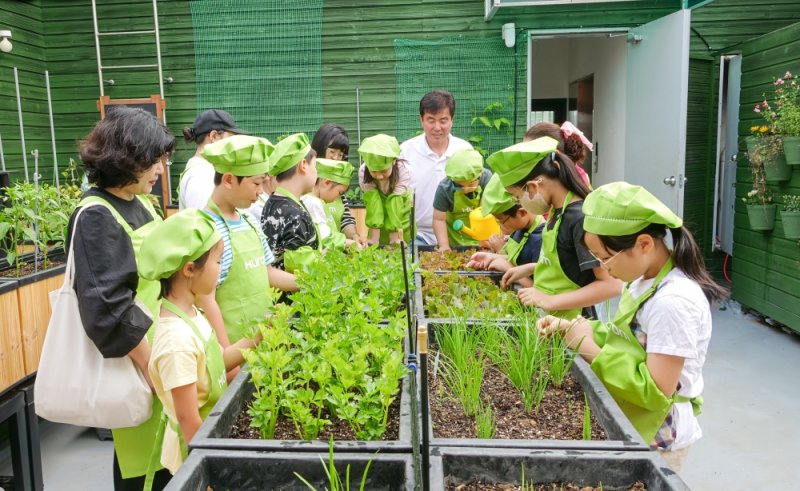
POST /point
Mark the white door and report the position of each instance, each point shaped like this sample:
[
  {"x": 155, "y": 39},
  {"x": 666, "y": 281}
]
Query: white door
[{"x": 655, "y": 112}]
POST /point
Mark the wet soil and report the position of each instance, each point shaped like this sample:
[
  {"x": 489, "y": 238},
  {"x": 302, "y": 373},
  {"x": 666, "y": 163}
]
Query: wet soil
[{"x": 481, "y": 486}]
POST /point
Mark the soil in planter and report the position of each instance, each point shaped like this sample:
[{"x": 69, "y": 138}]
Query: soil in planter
[
  {"x": 446, "y": 260},
  {"x": 554, "y": 486},
  {"x": 560, "y": 416},
  {"x": 28, "y": 268},
  {"x": 338, "y": 429},
  {"x": 450, "y": 295}
]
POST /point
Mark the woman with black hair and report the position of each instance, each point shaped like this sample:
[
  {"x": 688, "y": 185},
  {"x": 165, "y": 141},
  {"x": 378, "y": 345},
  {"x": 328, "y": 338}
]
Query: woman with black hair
[
  {"x": 566, "y": 277},
  {"x": 124, "y": 156},
  {"x": 331, "y": 142}
]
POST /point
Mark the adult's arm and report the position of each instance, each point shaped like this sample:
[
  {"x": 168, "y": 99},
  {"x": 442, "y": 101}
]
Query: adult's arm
[{"x": 440, "y": 229}]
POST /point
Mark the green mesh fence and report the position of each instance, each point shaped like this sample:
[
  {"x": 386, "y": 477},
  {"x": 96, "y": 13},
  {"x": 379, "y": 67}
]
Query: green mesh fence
[
  {"x": 260, "y": 61},
  {"x": 486, "y": 78}
]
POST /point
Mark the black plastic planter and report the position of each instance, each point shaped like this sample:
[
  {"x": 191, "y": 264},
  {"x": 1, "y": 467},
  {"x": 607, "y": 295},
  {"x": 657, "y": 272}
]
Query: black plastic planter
[
  {"x": 614, "y": 470},
  {"x": 257, "y": 471},
  {"x": 214, "y": 431},
  {"x": 621, "y": 434}
]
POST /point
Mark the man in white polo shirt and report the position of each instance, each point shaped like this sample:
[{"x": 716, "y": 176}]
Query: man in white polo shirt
[{"x": 428, "y": 153}]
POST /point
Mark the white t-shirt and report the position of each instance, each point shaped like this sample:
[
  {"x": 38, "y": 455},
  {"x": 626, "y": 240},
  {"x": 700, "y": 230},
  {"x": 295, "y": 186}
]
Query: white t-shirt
[
  {"x": 197, "y": 184},
  {"x": 427, "y": 171},
  {"x": 256, "y": 208},
  {"x": 316, "y": 208},
  {"x": 676, "y": 321}
]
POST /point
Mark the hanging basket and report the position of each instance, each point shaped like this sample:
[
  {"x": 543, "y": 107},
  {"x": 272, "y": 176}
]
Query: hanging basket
[
  {"x": 777, "y": 170},
  {"x": 791, "y": 148},
  {"x": 762, "y": 217},
  {"x": 791, "y": 224},
  {"x": 751, "y": 142}
]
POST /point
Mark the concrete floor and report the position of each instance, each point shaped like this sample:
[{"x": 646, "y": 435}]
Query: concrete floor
[{"x": 751, "y": 440}]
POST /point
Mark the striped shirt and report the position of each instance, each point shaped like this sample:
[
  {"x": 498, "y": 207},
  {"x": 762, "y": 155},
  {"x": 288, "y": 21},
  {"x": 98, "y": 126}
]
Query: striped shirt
[{"x": 227, "y": 250}]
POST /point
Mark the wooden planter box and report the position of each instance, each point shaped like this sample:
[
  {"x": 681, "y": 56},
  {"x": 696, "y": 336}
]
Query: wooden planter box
[
  {"x": 12, "y": 360},
  {"x": 34, "y": 311}
]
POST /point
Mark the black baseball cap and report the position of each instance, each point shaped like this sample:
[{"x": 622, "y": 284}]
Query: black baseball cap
[{"x": 216, "y": 119}]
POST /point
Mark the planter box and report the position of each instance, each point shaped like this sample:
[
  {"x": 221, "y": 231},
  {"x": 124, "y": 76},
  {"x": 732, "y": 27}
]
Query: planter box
[
  {"x": 34, "y": 311},
  {"x": 583, "y": 468},
  {"x": 259, "y": 471},
  {"x": 12, "y": 360},
  {"x": 214, "y": 431},
  {"x": 622, "y": 436}
]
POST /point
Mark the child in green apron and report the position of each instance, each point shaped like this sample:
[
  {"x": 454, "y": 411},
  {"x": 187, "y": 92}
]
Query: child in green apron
[
  {"x": 457, "y": 195},
  {"x": 651, "y": 355},
  {"x": 292, "y": 233},
  {"x": 524, "y": 230},
  {"x": 333, "y": 179},
  {"x": 244, "y": 290},
  {"x": 385, "y": 180},
  {"x": 566, "y": 278},
  {"x": 187, "y": 364}
]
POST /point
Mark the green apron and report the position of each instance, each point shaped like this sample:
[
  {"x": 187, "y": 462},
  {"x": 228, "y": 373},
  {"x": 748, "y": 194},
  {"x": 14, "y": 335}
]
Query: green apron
[
  {"x": 462, "y": 206},
  {"x": 215, "y": 367},
  {"x": 245, "y": 294},
  {"x": 622, "y": 366},
  {"x": 512, "y": 248},
  {"x": 336, "y": 238},
  {"x": 132, "y": 445},
  {"x": 389, "y": 213},
  {"x": 548, "y": 277},
  {"x": 303, "y": 256},
  {"x": 335, "y": 210}
]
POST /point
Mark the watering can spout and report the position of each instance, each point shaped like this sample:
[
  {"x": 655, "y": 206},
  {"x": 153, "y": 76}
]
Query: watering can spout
[{"x": 481, "y": 227}]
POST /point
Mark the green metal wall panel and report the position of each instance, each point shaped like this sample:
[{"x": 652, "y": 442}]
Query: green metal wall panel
[{"x": 766, "y": 266}]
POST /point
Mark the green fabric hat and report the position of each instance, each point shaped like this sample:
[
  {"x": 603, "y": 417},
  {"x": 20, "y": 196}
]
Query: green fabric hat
[
  {"x": 619, "y": 208},
  {"x": 495, "y": 198},
  {"x": 464, "y": 165},
  {"x": 241, "y": 155},
  {"x": 517, "y": 161},
  {"x": 337, "y": 171},
  {"x": 379, "y": 152},
  {"x": 288, "y": 153},
  {"x": 181, "y": 238}
]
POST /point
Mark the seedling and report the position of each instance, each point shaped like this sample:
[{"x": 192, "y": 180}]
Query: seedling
[
  {"x": 334, "y": 480},
  {"x": 484, "y": 422},
  {"x": 587, "y": 421}
]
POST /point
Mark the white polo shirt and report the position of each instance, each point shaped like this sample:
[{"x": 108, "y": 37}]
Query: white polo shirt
[
  {"x": 427, "y": 170},
  {"x": 197, "y": 184}
]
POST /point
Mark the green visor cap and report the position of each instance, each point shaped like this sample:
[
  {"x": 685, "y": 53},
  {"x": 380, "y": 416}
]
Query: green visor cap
[
  {"x": 619, "y": 208},
  {"x": 464, "y": 165},
  {"x": 495, "y": 198},
  {"x": 288, "y": 152},
  {"x": 241, "y": 155},
  {"x": 181, "y": 238},
  {"x": 517, "y": 161},
  {"x": 337, "y": 171},
  {"x": 379, "y": 152}
]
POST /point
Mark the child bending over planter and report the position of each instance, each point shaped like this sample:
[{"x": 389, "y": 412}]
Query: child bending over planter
[
  {"x": 651, "y": 355},
  {"x": 333, "y": 179},
  {"x": 187, "y": 364},
  {"x": 384, "y": 178},
  {"x": 524, "y": 230},
  {"x": 566, "y": 278}
]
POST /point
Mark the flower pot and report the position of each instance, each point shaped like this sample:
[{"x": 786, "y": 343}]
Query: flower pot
[
  {"x": 762, "y": 217},
  {"x": 751, "y": 142},
  {"x": 791, "y": 148},
  {"x": 777, "y": 170},
  {"x": 791, "y": 224}
]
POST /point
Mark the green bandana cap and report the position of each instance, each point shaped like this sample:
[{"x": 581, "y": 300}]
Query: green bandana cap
[
  {"x": 495, "y": 198},
  {"x": 379, "y": 152},
  {"x": 241, "y": 155},
  {"x": 181, "y": 238},
  {"x": 337, "y": 171},
  {"x": 619, "y": 208},
  {"x": 464, "y": 165},
  {"x": 517, "y": 161},
  {"x": 288, "y": 152}
]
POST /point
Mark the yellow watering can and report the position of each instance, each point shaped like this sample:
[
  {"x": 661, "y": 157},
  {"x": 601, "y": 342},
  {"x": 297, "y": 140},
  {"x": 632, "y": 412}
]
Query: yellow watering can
[{"x": 481, "y": 227}]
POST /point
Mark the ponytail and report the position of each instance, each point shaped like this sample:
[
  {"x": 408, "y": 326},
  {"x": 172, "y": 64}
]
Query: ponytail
[
  {"x": 558, "y": 166},
  {"x": 188, "y": 135}
]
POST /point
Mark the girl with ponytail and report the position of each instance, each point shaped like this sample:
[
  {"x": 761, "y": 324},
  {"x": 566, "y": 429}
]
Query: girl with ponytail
[{"x": 651, "y": 355}]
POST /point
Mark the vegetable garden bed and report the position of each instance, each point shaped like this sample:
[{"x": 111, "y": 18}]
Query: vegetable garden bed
[
  {"x": 453, "y": 260},
  {"x": 252, "y": 471},
  {"x": 486, "y": 393},
  {"x": 445, "y": 295},
  {"x": 501, "y": 469}
]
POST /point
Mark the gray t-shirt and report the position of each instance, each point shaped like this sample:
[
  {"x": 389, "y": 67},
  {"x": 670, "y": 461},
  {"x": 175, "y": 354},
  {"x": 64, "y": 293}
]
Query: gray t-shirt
[{"x": 443, "y": 199}]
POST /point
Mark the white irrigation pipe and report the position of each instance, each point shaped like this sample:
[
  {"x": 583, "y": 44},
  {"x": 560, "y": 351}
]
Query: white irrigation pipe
[
  {"x": 358, "y": 114},
  {"x": 21, "y": 127},
  {"x": 52, "y": 127},
  {"x": 35, "y": 153},
  {"x": 2, "y": 155}
]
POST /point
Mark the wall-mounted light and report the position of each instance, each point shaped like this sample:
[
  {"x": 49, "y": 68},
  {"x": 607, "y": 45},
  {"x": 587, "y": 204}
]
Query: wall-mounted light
[
  {"x": 509, "y": 34},
  {"x": 5, "y": 44}
]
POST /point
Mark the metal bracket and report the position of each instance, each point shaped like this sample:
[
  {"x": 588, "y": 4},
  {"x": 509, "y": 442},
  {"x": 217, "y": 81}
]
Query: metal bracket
[{"x": 635, "y": 38}]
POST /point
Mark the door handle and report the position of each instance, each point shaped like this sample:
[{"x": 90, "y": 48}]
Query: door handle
[{"x": 670, "y": 181}]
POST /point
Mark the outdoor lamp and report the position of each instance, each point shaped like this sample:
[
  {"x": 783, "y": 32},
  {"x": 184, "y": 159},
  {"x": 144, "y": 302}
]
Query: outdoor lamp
[
  {"x": 5, "y": 44},
  {"x": 509, "y": 34}
]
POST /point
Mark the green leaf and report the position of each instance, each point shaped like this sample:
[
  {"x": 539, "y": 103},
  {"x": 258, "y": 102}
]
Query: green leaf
[{"x": 485, "y": 121}]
